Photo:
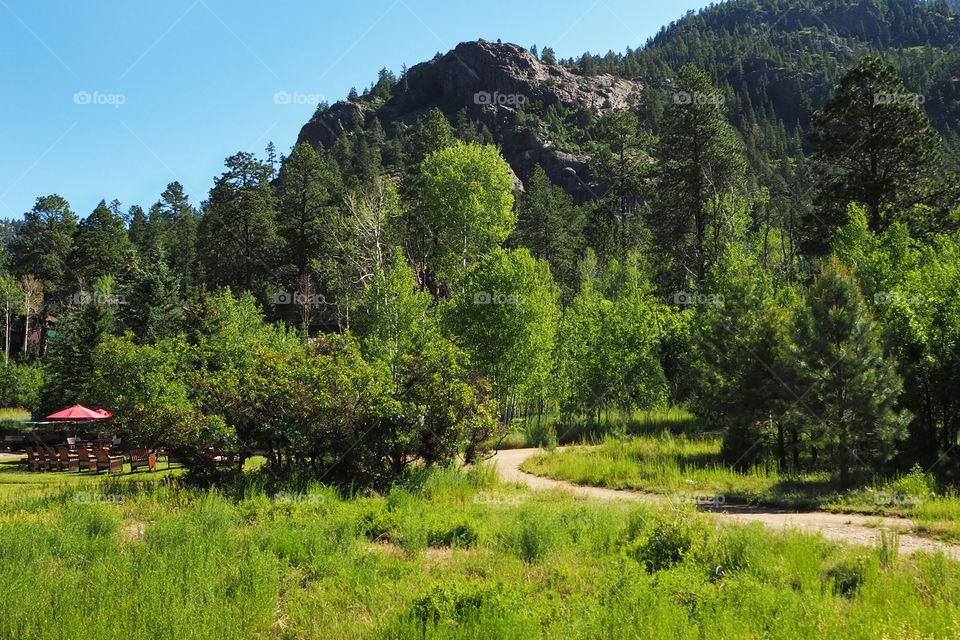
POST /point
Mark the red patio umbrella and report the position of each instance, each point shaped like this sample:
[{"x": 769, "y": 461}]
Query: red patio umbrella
[{"x": 80, "y": 412}]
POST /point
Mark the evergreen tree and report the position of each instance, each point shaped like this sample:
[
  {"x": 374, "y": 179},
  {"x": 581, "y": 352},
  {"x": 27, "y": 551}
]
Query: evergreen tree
[
  {"x": 853, "y": 387},
  {"x": 139, "y": 230},
  {"x": 101, "y": 244},
  {"x": 384, "y": 85},
  {"x": 238, "y": 229},
  {"x": 873, "y": 145},
  {"x": 431, "y": 133},
  {"x": 69, "y": 365},
  {"x": 152, "y": 305},
  {"x": 43, "y": 249},
  {"x": 551, "y": 226},
  {"x": 303, "y": 192},
  {"x": 173, "y": 223},
  {"x": 622, "y": 164},
  {"x": 700, "y": 159}
]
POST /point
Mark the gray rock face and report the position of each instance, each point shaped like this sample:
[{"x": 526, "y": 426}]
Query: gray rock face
[{"x": 490, "y": 80}]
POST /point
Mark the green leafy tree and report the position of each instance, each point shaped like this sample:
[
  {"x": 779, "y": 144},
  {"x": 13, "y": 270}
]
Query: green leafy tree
[
  {"x": 506, "y": 319},
  {"x": 21, "y": 385},
  {"x": 32, "y": 291},
  {"x": 11, "y": 300},
  {"x": 151, "y": 392},
  {"x": 395, "y": 318},
  {"x": 608, "y": 344},
  {"x": 467, "y": 195}
]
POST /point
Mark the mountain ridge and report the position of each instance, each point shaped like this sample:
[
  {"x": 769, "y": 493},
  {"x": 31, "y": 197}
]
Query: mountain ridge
[{"x": 775, "y": 61}]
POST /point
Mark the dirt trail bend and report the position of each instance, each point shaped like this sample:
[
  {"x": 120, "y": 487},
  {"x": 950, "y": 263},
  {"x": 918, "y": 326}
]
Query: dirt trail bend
[{"x": 845, "y": 527}]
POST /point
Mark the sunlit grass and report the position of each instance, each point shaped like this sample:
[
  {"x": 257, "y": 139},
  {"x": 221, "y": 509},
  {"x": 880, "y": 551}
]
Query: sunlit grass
[
  {"x": 448, "y": 554},
  {"x": 677, "y": 464},
  {"x": 13, "y": 414}
]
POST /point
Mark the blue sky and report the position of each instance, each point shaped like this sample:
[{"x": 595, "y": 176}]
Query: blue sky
[{"x": 109, "y": 99}]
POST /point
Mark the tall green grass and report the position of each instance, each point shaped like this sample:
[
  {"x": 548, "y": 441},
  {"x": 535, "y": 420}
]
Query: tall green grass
[
  {"x": 447, "y": 554},
  {"x": 681, "y": 465},
  {"x": 14, "y": 414},
  {"x": 552, "y": 429}
]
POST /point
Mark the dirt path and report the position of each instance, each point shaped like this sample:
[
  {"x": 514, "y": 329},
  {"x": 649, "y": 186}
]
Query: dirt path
[{"x": 845, "y": 527}]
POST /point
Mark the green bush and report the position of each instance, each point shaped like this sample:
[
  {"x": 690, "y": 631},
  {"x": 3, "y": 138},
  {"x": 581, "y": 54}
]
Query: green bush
[
  {"x": 666, "y": 543},
  {"x": 846, "y": 577},
  {"x": 20, "y": 386}
]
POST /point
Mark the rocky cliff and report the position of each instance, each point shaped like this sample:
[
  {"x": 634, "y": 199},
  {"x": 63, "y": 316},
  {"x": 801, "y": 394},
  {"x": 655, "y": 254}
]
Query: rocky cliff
[{"x": 490, "y": 80}]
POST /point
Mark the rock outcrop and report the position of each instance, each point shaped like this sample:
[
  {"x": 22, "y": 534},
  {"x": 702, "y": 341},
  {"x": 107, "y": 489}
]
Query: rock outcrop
[{"x": 490, "y": 80}]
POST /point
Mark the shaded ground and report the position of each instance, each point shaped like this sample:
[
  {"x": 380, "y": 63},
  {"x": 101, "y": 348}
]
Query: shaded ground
[{"x": 852, "y": 528}]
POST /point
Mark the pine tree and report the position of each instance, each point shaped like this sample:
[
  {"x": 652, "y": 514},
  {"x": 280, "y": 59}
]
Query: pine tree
[
  {"x": 700, "y": 159},
  {"x": 873, "y": 145},
  {"x": 303, "y": 191},
  {"x": 173, "y": 222},
  {"x": 101, "y": 244},
  {"x": 237, "y": 232},
  {"x": 139, "y": 230},
  {"x": 43, "y": 249},
  {"x": 152, "y": 304},
  {"x": 550, "y": 225},
  {"x": 430, "y": 134},
  {"x": 853, "y": 388}
]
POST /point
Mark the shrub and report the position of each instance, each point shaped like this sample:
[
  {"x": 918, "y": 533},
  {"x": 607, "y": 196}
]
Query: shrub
[
  {"x": 847, "y": 577},
  {"x": 20, "y": 386},
  {"x": 666, "y": 543},
  {"x": 461, "y": 534}
]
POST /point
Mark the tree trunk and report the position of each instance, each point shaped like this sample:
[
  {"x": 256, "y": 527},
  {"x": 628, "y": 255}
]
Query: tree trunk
[
  {"x": 844, "y": 459},
  {"x": 6, "y": 335},
  {"x": 781, "y": 449},
  {"x": 795, "y": 448}
]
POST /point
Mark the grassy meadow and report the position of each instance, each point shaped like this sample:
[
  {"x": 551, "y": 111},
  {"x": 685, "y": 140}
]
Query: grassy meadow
[
  {"x": 680, "y": 464},
  {"x": 449, "y": 553},
  {"x": 14, "y": 415}
]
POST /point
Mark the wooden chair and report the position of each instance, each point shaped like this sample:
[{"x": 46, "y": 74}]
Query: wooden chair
[
  {"x": 85, "y": 460},
  {"x": 31, "y": 459},
  {"x": 68, "y": 460},
  {"x": 108, "y": 462},
  {"x": 47, "y": 459},
  {"x": 141, "y": 457}
]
